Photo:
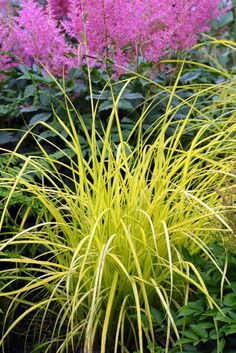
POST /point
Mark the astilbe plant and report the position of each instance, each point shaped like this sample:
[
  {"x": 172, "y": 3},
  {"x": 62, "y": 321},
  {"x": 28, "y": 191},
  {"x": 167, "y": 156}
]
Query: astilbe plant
[
  {"x": 149, "y": 27},
  {"x": 6, "y": 35},
  {"x": 120, "y": 30},
  {"x": 28, "y": 43}
]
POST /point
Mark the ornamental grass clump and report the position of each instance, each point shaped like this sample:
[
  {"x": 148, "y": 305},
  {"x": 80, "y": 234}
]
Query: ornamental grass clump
[{"x": 105, "y": 248}]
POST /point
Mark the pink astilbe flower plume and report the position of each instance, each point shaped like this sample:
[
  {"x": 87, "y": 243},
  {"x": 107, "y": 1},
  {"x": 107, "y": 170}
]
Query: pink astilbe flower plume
[
  {"x": 39, "y": 38},
  {"x": 148, "y": 27},
  {"x": 117, "y": 30},
  {"x": 58, "y": 8},
  {"x": 7, "y": 39},
  {"x": 34, "y": 36}
]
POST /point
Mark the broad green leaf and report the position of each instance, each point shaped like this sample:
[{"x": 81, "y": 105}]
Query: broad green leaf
[
  {"x": 39, "y": 117},
  {"x": 190, "y": 76},
  {"x": 29, "y": 90},
  {"x": 183, "y": 341},
  {"x": 157, "y": 316},
  {"x": 191, "y": 334},
  {"x": 7, "y": 137},
  {"x": 221, "y": 345},
  {"x": 230, "y": 329},
  {"x": 230, "y": 299},
  {"x": 123, "y": 104},
  {"x": 223, "y": 20},
  {"x": 28, "y": 109},
  {"x": 131, "y": 96},
  {"x": 200, "y": 330},
  {"x": 186, "y": 311}
]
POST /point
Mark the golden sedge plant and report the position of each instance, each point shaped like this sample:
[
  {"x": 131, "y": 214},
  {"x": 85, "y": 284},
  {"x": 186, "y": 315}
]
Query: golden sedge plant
[{"x": 106, "y": 245}]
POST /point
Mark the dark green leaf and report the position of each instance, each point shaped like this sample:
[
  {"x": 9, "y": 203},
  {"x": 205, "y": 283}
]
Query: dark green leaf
[
  {"x": 39, "y": 117},
  {"x": 200, "y": 330},
  {"x": 183, "y": 341},
  {"x": 157, "y": 316},
  {"x": 29, "y": 90},
  {"x": 7, "y": 137},
  {"x": 230, "y": 330},
  {"x": 190, "y": 76},
  {"x": 230, "y": 299},
  {"x": 223, "y": 20},
  {"x": 28, "y": 109},
  {"x": 132, "y": 96},
  {"x": 221, "y": 345},
  {"x": 24, "y": 69},
  {"x": 186, "y": 311},
  {"x": 192, "y": 335},
  {"x": 123, "y": 104}
]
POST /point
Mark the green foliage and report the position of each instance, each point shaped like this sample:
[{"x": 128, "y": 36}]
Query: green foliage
[
  {"x": 29, "y": 94},
  {"x": 21, "y": 203},
  {"x": 204, "y": 329},
  {"x": 27, "y": 97}
]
